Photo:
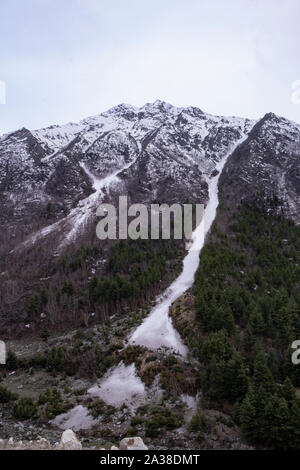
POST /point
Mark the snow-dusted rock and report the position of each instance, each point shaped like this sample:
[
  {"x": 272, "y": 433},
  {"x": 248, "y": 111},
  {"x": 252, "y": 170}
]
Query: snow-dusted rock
[
  {"x": 132, "y": 443},
  {"x": 268, "y": 162}
]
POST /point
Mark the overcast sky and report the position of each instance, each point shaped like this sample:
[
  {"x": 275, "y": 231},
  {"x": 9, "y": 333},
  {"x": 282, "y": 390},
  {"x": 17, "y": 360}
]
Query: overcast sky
[{"x": 63, "y": 60}]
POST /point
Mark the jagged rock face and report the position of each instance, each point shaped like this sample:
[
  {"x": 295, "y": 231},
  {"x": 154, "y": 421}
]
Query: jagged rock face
[
  {"x": 177, "y": 158},
  {"x": 266, "y": 166},
  {"x": 20, "y": 162},
  {"x": 167, "y": 155},
  {"x": 22, "y": 174},
  {"x": 110, "y": 152},
  {"x": 67, "y": 183}
]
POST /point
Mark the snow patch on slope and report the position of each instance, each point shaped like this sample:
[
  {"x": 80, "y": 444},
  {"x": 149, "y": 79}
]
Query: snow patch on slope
[
  {"x": 120, "y": 385},
  {"x": 76, "y": 419}
]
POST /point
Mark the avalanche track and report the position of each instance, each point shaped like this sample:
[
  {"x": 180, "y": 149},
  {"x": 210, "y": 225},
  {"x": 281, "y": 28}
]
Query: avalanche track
[
  {"x": 74, "y": 223},
  {"x": 121, "y": 383}
]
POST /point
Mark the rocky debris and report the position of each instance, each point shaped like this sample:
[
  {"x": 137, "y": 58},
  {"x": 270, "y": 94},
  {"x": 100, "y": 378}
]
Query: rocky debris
[
  {"x": 183, "y": 313},
  {"x": 69, "y": 441},
  {"x": 10, "y": 444},
  {"x": 132, "y": 443},
  {"x": 224, "y": 434}
]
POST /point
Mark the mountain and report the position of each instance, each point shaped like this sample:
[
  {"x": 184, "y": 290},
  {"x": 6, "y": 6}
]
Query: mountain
[
  {"x": 167, "y": 154},
  {"x": 53, "y": 179},
  {"x": 266, "y": 165},
  {"x": 91, "y": 325},
  {"x": 171, "y": 151}
]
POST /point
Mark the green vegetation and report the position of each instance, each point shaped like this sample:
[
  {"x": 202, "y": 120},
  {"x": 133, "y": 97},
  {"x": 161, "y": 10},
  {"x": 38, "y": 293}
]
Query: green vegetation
[
  {"x": 87, "y": 283},
  {"x": 161, "y": 418},
  {"x": 247, "y": 302},
  {"x": 6, "y": 395},
  {"x": 198, "y": 422},
  {"x": 100, "y": 408},
  {"x": 26, "y": 408},
  {"x": 45, "y": 335},
  {"x": 12, "y": 362},
  {"x": 134, "y": 270},
  {"x": 54, "y": 403}
]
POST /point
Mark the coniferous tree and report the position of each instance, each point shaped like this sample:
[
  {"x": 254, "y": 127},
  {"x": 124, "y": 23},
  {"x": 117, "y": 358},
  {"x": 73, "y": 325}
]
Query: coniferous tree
[
  {"x": 248, "y": 416},
  {"x": 262, "y": 376},
  {"x": 288, "y": 392}
]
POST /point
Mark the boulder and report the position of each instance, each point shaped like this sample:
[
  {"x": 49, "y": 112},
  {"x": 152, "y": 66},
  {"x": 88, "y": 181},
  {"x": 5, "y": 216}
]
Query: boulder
[
  {"x": 132, "y": 443},
  {"x": 43, "y": 444},
  {"x": 69, "y": 441}
]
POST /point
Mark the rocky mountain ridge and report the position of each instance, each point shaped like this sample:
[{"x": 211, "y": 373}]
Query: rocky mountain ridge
[
  {"x": 161, "y": 153},
  {"x": 167, "y": 154}
]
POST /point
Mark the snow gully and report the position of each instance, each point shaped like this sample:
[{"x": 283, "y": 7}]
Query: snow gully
[{"x": 157, "y": 329}]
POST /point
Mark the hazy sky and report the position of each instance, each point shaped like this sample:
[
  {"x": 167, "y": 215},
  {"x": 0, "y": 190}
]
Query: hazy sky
[{"x": 63, "y": 60}]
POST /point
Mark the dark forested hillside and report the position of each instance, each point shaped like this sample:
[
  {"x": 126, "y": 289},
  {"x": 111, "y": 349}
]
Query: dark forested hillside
[
  {"x": 84, "y": 284},
  {"x": 247, "y": 301}
]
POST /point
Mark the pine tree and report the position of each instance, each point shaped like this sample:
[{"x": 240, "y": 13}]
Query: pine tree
[
  {"x": 279, "y": 432},
  {"x": 262, "y": 375},
  {"x": 294, "y": 426},
  {"x": 284, "y": 330},
  {"x": 268, "y": 421},
  {"x": 273, "y": 364},
  {"x": 248, "y": 416},
  {"x": 257, "y": 322},
  {"x": 288, "y": 392},
  {"x": 216, "y": 378},
  {"x": 236, "y": 378},
  {"x": 249, "y": 338}
]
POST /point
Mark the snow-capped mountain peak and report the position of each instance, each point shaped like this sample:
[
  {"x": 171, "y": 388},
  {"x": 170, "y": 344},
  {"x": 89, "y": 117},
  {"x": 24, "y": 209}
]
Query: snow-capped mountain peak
[{"x": 161, "y": 152}]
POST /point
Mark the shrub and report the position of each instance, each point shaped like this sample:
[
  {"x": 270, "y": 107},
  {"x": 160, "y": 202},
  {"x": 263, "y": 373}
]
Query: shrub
[
  {"x": 6, "y": 395},
  {"x": 45, "y": 335},
  {"x": 136, "y": 421},
  {"x": 26, "y": 408},
  {"x": 97, "y": 408},
  {"x": 37, "y": 360},
  {"x": 162, "y": 419},
  {"x": 54, "y": 403},
  {"x": 12, "y": 361},
  {"x": 198, "y": 422}
]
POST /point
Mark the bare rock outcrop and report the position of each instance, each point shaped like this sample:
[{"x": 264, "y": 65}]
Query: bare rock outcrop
[{"x": 132, "y": 443}]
